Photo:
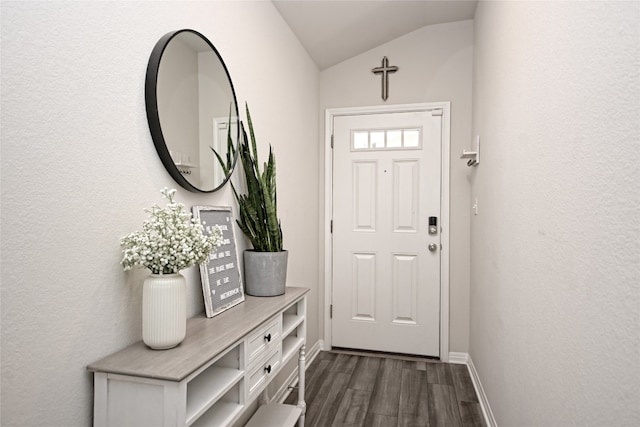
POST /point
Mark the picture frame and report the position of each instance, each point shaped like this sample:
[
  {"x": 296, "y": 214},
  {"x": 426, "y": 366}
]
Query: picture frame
[{"x": 220, "y": 275}]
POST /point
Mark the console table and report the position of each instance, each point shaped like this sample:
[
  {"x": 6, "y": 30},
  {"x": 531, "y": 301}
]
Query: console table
[{"x": 223, "y": 364}]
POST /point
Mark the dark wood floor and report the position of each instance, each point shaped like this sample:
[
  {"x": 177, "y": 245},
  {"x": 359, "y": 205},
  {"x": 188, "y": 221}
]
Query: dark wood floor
[{"x": 350, "y": 389}]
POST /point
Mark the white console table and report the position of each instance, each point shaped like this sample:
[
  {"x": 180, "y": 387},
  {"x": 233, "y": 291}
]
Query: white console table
[{"x": 223, "y": 365}]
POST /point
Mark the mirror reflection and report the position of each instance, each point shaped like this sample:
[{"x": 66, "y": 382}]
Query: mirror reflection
[{"x": 192, "y": 111}]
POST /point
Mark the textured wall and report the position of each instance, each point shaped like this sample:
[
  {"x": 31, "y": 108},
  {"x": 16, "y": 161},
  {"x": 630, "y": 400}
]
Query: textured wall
[
  {"x": 79, "y": 167},
  {"x": 435, "y": 64},
  {"x": 555, "y": 250}
]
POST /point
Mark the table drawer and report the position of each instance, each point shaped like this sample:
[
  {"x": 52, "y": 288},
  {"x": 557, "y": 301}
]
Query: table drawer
[
  {"x": 263, "y": 339},
  {"x": 262, "y": 373}
]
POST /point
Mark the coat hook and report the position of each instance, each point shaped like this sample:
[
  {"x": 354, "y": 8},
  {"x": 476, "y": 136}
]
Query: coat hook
[{"x": 473, "y": 156}]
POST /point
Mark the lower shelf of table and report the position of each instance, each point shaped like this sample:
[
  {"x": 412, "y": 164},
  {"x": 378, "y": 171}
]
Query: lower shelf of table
[
  {"x": 275, "y": 415},
  {"x": 222, "y": 413},
  {"x": 290, "y": 347}
]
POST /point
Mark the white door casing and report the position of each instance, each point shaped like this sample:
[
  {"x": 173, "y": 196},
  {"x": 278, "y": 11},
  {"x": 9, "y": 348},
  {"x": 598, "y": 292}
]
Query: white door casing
[{"x": 380, "y": 235}]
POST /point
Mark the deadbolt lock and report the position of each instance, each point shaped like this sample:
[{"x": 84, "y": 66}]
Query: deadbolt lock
[{"x": 433, "y": 225}]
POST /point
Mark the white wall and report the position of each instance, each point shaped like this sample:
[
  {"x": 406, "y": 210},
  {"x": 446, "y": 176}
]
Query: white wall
[
  {"x": 435, "y": 64},
  {"x": 555, "y": 247},
  {"x": 79, "y": 167}
]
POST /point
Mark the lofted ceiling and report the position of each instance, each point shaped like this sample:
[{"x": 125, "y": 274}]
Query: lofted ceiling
[{"x": 335, "y": 30}]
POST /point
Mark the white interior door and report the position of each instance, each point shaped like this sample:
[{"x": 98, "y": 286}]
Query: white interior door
[{"x": 386, "y": 276}]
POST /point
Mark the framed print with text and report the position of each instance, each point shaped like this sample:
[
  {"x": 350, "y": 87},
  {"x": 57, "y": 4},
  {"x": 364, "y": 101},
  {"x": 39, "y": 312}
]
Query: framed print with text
[{"x": 220, "y": 275}]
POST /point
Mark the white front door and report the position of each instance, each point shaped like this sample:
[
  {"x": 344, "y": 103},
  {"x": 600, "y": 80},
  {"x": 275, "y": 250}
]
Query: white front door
[{"x": 386, "y": 263}]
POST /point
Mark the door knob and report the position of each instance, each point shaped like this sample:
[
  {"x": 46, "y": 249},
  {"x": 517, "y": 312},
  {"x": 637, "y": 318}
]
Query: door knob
[{"x": 433, "y": 247}]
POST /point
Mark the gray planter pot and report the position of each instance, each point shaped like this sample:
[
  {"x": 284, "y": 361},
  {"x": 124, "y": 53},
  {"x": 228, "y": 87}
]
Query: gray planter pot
[{"x": 265, "y": 273}]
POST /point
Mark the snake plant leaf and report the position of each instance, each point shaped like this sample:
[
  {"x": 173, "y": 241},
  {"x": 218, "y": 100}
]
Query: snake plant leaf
[
  {"x": 269, "y": 194},
  {"x": 253, "y": 136},
  {"x": 223, "y": 165}
]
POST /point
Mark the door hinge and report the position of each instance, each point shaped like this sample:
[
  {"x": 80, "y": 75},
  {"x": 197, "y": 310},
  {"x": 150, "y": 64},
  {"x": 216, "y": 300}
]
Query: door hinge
[
  {"x": 331, "y": 311},
  {"x": 332, "y": 141},
  {"x": 437, "y": 112},
  {"x": 331, "y": 227}
]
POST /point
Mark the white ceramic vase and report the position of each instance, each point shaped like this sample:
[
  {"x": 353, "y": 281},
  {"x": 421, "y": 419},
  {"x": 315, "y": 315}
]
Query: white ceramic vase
[{"x": 164, "y": 310}]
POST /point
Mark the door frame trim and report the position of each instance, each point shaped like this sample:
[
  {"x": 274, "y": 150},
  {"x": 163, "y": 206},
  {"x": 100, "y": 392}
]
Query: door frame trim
[{"x": 330, "y": 114}]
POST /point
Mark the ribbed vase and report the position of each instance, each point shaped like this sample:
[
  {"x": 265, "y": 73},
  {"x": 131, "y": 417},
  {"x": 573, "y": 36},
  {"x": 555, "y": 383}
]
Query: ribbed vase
[{"x": 164, "y": 310}]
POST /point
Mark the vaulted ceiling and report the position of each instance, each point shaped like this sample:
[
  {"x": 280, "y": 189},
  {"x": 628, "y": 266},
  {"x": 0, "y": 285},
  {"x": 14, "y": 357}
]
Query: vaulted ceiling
[{"x": 332, "y": 31}]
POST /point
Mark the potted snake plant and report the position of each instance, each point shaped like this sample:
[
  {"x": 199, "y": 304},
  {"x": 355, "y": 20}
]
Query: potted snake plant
[{"x": 265, "y": 266}]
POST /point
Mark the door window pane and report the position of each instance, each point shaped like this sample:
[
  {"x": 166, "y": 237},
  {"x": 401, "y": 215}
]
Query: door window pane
[
  {"x": 360, "y": 140},
  {"x": 394, "y": 138},
  {"x": 411, "y": 138},
  {"x": 377, "y": 139}
]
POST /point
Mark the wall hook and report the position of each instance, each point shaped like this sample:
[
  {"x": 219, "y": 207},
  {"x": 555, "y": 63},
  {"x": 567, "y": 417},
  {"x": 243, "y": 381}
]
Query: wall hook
[{"x": 473, "y": 156}]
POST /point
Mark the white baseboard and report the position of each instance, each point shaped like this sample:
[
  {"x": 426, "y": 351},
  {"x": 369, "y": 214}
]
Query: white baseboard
[
  {"x": 482, "y": 397},
  {"x": 314, "y": 351},
  {"x": 458, "y": 358},
  {"x": 283, "y": 392}
]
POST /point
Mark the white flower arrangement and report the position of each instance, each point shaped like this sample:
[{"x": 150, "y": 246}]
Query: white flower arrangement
[{"x": 170, "y": 241}]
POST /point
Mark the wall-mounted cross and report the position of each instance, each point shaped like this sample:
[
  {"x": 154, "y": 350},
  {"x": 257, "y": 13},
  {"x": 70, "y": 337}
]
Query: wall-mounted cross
[{"x": 385, "y": 69}]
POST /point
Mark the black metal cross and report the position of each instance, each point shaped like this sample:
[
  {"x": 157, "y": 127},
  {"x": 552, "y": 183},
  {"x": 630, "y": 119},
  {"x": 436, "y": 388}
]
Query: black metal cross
[{"x": 385, "y": 69}]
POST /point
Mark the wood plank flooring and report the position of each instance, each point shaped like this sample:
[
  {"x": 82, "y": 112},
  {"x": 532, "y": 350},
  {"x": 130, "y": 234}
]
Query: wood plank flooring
[{"x": 353, "y": 389}]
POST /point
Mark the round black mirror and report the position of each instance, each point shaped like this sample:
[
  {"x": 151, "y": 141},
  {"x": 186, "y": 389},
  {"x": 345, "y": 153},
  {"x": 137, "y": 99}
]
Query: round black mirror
[{"x": 192, "y": 111}]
